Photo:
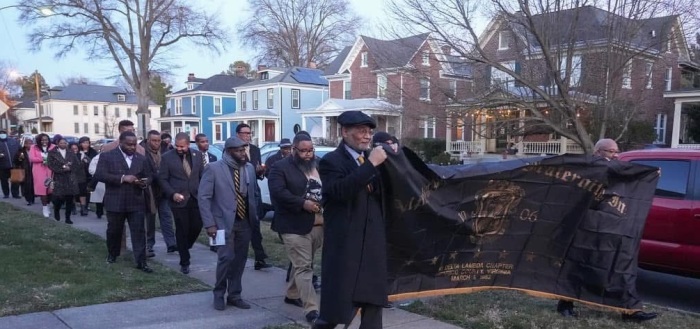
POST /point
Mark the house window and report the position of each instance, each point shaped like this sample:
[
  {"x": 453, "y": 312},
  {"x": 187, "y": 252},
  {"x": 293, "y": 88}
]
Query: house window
[
  {"x": 627, "y": 76},
  {"x": 425, "y": 58},
  {"x": 218, "y": 131},
  {"x": 453, "y": 91},
  {"x": 669, "y": 43},
  {"x": 190, "y": 86},
  {"x": 667, "y": 78},
  {"x": 649, "y": 73},
  {"x": 347, "y": 89},
  {"x": 85, "y": 112},
  {"x": 97, "y": 128},
  {"x": 76, "y": 128},
  {"x": 427, "y": 126},
  {"x": 217, "y": 103},
  {"x": 296, "y": 101},
  {"x": 244, "y": 101},
  {"x": 121, "y": 98},
  {"x": 128, "y": 112},
  {"x": 264, "y": 75},
  {"x": 194, "y": 105},
  {"x": 424, "y": 89},
  {"x": 660, "y": 128},
  {"x": 381, "y": 86},
  {"x": 85, "y": 128},
  {"x": 502, "y": 78},
  {"x": 270, "y": 98},
  {"x": 75, "y": 109},
  {"x": 363, "y": 59},
  {"x": 178, "y": 106},
  {"x": 116, "y": 112},
  {"x": 503, "y": 40},
  {"x": 255, "y": 99},
  {"x": 574, "y": 73},
  {"x": 95, "y": 110}
]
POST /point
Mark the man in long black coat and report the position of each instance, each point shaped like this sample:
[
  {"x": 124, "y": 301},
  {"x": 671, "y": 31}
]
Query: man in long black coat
[{"x": 354, "y": 267}]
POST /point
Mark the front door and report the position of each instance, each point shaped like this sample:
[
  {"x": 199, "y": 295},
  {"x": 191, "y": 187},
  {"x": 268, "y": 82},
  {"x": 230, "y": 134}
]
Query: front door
[{"x": 269, "y": 131}]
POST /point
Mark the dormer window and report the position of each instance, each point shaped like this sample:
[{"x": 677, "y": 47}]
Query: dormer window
[
  {"x": 190, "y": 86},
  {"x": 264, "y": 75},
  {"x": 363, "y": 59},
  {"x": 121, "y": 98}
]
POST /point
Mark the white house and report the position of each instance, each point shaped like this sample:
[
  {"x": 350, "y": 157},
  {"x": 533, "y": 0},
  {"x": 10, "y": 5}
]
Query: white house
[{"x": 88, "y": 110}]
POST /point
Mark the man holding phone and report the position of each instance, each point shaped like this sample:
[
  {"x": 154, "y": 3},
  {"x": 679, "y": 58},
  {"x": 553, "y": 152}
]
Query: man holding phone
[{"x": 179, "y": 176}]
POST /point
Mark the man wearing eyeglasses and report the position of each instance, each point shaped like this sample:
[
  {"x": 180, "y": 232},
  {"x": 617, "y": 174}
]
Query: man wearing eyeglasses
[
  {"x": 354, "y": 248},
  {"x": 295, "y": 189},
  {"x": 606, "y": 149},
  {"x": 244, "y": 132}
]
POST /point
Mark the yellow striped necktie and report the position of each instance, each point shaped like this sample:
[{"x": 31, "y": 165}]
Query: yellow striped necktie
[
  {"x": 240, "y": 202},
  {"x": 361, "y": 160}
]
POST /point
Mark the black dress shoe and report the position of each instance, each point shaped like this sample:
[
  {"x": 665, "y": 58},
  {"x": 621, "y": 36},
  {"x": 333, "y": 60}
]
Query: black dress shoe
[
  {"x": 260, "y": 264},
  {"x": 639, "y": 316},
  {"x": 219, "y": 304},
  {"x": 296, "y": 302},
  {"x": 111, "y": 259},
  {"x": 68, "y": 221},
  {"x": 185, "y": 269},
  {"x": 566, "y": 309},
  {"x": 171, "y": 249},
  {"x": 238, "y": 303},
  {"x": 144, "y": 268},
  {"x": 312, "y": 316},
  {"x": 17, "y": 197},
  {"x": 6, "y": 197},
  {"x": 150, "y": 253}
]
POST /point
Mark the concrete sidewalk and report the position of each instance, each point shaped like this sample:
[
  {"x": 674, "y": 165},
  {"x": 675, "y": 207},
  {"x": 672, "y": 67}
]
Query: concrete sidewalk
[{"x": 263, "y": 289}]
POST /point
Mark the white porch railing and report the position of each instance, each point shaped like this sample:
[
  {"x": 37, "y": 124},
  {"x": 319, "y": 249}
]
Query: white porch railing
[
  {"x": 689, "y": 146},
  {"x": 467, "y": 147}
]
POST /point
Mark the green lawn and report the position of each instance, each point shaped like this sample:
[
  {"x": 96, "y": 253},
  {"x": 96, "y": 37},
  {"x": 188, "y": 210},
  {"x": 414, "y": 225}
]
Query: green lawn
[{"x": 48, "y": 265}]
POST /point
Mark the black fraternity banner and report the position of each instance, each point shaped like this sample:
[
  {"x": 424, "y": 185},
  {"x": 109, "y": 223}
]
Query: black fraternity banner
[{"x": 560, "y": 227}]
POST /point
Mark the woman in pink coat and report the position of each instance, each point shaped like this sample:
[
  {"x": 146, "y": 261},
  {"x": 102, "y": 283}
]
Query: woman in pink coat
[{"x": 40, "y": 171}]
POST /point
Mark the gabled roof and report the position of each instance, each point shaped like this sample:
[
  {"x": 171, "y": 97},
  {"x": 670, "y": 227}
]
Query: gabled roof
[
  {"x": 294, "y": 75},
  {"x": 594, "y": 25},
  {"x": 335, "y": 65},
  {"x": 91, "y": 93},
  {"x": 394, "y": 53},
  {"x": 223, "y": 83},
  {"x": 24, "y": 104}
]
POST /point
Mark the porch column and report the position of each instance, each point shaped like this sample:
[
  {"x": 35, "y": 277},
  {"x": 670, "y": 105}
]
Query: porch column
[
  {"x": 261, "y": 131},
  {"x": 676, "y": 132},
  {"x": 323, "y": 127},
  {"x": 278, "y": 130},
  {"x": 303, "y": 122},
  {"x": 182, "y": 129},
  {"x": 448, "y": 134},
  {"x": 562, "y": 147}
]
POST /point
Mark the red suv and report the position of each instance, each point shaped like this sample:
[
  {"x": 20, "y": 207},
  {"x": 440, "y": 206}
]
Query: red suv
[{"x": 671, "y": 239}]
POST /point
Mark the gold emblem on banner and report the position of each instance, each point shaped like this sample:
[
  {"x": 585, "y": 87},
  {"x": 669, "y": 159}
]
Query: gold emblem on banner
[{"x": 493, "y": 205}]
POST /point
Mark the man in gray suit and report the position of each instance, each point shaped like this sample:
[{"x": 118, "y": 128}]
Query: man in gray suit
[{"x": 227, "y": 201}]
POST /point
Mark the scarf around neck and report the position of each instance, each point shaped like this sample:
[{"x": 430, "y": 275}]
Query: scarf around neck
[{"x": 231, "y": 163}]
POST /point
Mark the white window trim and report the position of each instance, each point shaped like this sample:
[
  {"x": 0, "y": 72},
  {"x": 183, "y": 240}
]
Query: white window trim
[
  {"x": 501, "y": 38},
  {"x": 298, "y": 98},
  {"x": 178, "y": 106},
  {"x": 363, "y": 59},
  {"x": 117, "y": 112},
  {"x": 425, "y": 58},
  {"x": 76, "y": 109},
  {"x": 221, "y": 129},
  {"x": 95, "y": 110},
  {"x": 345, "y": 90},
  {"x": 660, "y": 124},
  {"x": 255, "y": 100},
  {"x": 453, "y": 90},
  {"x": 270, "y": 94},
  {"x": 86, "y": 128},
  {"x": 128, "y": 112},
  {"x": 649, "y": 72},
  {"x": 76, "y": 127},
  {"x": 576, "y": 63},
  {"x": 194, "y": 105},
  {"x": 420, "y": 86},
  {"x": 382, "y": 87},
  {"x": 627, "y": 76},
  {"x": 121, "y": 98},
  {"x": 425, "y": 123},
  {"x": 97, "y": 129},
  {"x": 220, "y": 107},
  {"x": 669, "y": 79}
]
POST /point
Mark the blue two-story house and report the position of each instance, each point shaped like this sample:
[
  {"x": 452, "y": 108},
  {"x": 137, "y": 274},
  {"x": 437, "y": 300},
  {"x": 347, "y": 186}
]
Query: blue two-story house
[
  {"x": 191, "y": 109},
  {"x": 270, "y": 104}
]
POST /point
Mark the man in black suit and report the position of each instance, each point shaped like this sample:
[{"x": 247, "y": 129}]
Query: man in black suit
[
  {"x": 179, "y": 175},
  {"x": 295, "y": 188},
  {"x": 202, "y": 142},
  {"x": 354, "y": 261},
  {"x": 156, "y": 204},
  {"x": 125, "y": 174},
  {"x": 244, "y": 132}
]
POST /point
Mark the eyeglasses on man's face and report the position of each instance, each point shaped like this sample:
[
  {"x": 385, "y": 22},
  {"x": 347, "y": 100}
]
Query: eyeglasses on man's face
[{"x": 305, "y": 151}]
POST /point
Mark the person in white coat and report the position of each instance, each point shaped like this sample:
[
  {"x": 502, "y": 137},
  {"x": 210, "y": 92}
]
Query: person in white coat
[{"x": 98, "y": 188}]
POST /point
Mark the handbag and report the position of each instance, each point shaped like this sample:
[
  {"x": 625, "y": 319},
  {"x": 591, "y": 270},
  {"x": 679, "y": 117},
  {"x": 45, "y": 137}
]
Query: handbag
[
  {"x": 16, "y": 175},
  {"x": 49, "y": 183}
]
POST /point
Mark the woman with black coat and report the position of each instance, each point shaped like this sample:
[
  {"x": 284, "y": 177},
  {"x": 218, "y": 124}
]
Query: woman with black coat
[
  {"x": 22, "y": 161},
  {"x": 65, "y": 166},
  {"x": 85, "y": 154}
]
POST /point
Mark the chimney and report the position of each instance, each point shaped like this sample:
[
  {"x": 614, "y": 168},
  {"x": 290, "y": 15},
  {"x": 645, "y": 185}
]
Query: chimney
[
  {"x": 190, "y": 77},
  {"x": 446, "y": 50},
  {"x": 261, "y": 67}
]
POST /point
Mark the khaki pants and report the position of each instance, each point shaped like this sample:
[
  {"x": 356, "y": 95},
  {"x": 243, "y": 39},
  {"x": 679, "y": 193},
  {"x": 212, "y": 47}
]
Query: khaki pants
[{"x": 301, "y": 250}]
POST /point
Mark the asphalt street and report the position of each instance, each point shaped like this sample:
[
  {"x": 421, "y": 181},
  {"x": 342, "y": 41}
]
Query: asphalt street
[{"x": 669, "y": 290}]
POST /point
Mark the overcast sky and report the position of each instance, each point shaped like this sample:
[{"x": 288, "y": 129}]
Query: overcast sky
[{"x": 15, "y": 50}]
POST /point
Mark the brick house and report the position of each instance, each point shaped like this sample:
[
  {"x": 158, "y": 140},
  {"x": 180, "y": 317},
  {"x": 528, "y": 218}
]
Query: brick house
[
  {"x": 605, "y": 60},
  {"x": 405, "y": 84}
]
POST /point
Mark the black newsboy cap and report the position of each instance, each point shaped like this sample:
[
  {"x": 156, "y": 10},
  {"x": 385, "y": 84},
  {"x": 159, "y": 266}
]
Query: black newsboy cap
[{"x": 356, "y": 118}]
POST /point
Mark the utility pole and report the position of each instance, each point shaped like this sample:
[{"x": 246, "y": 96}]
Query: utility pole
[{"x": 38, "y": 99}]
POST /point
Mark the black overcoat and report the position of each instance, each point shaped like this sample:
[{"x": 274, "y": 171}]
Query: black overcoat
[
  {"x": 65, "y": 179},
  {"x": 354, "y": 246}
]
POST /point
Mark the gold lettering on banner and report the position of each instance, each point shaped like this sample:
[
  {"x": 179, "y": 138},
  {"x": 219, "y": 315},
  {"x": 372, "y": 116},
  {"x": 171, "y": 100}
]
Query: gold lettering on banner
[
  {"x": 473, "y": 271},
  {"x": 528, "y": 215},
  {"x": 594, "y": 187}
]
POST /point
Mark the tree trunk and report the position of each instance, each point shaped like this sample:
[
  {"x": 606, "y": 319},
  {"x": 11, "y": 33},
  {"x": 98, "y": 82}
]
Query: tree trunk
[{"x": 143, "y": 114}]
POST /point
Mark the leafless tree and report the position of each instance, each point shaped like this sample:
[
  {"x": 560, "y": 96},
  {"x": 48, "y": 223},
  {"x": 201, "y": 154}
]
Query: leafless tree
[
  {"x": 544, "y": 79},
  {"x": 110, "y": 125},
  {"x": 298, "y": 32},
  {"x": 79, "y": 79},
  {"x": 136, "y": 34}
]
